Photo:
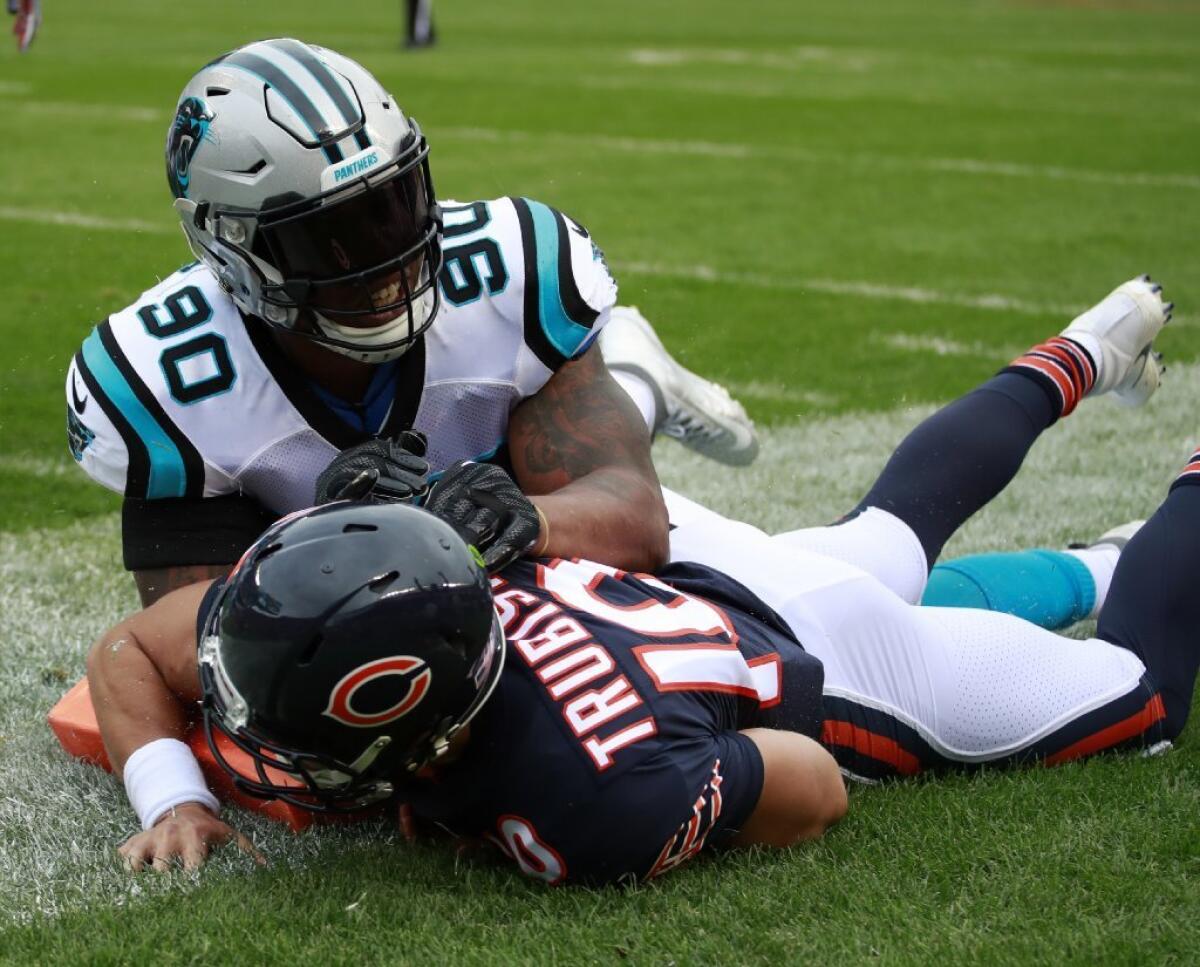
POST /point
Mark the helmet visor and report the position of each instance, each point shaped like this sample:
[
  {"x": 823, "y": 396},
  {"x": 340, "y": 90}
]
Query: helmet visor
[{"x": 371, "y": 251}]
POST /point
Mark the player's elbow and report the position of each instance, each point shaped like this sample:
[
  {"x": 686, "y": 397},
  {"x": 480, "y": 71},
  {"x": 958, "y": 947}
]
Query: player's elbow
[
  {"x": 654, "y": 530},
  {"x": 809, "y": 817},
  {"x": 803, "y": 793},
  {"x": 828, "y": 809},
  {"x": 658, "y": 544}
]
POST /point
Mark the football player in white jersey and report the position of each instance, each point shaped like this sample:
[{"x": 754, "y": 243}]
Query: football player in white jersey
[{"x": 335, "y": 303}]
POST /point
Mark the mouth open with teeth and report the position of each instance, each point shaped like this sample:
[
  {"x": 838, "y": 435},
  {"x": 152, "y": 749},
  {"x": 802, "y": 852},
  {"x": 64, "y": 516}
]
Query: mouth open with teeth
[{"x": 372, "y": 302}]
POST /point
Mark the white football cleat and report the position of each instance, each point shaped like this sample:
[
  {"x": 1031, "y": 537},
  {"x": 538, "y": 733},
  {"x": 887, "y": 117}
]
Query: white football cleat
[
  {"x": 698, "y": 413},
  {"x": 1119, "y": 332},
  {"x": 1117, "y": 536}
]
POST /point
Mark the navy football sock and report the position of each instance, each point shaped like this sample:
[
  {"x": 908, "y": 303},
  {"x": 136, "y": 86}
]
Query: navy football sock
[
  {"x": 1152, "y": 607},
  {"x": 961, "y": 457}
]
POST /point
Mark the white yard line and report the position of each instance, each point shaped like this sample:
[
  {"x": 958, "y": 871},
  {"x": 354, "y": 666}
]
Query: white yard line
[
  {"x": 101, "y": 113},
  {"x": 39, "y": 466},
  {"x": 732, "y": 150},
  {"x": 46, "y": 216},
  {"x": 786, "y": 59},
  {"x": 743, "y": 151},
  {"x": 937, "y": 346},
  {"x": 861, "y": 59},
  {"x": 853, "y": 288},
  {"x": 856, "y": 289}
]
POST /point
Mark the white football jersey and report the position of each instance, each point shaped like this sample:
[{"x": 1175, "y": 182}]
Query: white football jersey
[{"x": 178, "y": 395}]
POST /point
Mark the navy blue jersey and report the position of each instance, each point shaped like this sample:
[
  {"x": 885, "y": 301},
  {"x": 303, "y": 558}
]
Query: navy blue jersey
[{"x": 610, "y": 749}]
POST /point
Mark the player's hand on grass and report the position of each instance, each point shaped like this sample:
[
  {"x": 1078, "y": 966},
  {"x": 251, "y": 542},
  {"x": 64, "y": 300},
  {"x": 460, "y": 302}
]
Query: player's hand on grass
[
  {"x": 185, "y": 835},
  {"x": 382, "y": 471},
  {"x": 488, "y": 510}
]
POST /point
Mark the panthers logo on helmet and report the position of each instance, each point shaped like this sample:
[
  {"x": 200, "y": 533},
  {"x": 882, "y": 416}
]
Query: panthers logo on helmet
[
  {"x": 190, "y": 128},
  {"x": 413, "y": 671}
]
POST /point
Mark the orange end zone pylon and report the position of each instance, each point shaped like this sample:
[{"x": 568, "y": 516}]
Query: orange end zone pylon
[{"x": 74, "y": 722}]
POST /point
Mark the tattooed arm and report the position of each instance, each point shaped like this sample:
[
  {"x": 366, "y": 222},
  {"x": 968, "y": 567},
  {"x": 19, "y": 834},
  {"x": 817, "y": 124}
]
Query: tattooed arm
[{"x": 581, "y": 451}]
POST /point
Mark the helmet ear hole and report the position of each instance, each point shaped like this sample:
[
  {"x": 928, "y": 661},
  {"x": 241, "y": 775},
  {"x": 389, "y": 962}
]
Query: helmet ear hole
[{"x": 310, "y": 651}]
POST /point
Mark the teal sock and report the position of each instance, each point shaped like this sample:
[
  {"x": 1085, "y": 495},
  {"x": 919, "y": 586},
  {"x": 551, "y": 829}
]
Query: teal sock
[{"x": 1049, "y": 588}]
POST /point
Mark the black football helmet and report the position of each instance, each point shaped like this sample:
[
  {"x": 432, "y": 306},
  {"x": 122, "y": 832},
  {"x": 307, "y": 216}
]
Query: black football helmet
[{"x": 347, "y": 647}]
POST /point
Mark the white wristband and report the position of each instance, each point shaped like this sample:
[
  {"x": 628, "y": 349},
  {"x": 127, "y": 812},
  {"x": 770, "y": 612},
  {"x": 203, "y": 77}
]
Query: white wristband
[{"x": 161, "y": 775}]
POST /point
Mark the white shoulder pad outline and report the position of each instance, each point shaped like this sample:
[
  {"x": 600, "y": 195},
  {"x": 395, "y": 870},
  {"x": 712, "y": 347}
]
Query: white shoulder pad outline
[
  {"x": 567, "y": 284},
  {"x": 137, "y": 448}
]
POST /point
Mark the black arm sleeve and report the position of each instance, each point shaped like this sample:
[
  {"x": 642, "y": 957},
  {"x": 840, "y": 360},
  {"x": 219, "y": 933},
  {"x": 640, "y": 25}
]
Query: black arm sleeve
[{"x": 183, "y": 531}]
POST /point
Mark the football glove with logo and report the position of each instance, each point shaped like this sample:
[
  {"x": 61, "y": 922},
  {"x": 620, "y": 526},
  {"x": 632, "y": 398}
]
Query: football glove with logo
[
  {"x": 380, "y": 471},
  {"x": 488, "y": 510}
]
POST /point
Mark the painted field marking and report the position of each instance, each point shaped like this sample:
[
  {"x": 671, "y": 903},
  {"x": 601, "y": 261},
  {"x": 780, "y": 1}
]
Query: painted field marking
[
  {"x": 858, "y": 289},
  {"x": 742, "y": 151},
  {"x": 712, "y": 149},
  {"x": 859, "y": 59},
  {"x": 39, "y": 466},
  {"x": 45, "y": 216}
]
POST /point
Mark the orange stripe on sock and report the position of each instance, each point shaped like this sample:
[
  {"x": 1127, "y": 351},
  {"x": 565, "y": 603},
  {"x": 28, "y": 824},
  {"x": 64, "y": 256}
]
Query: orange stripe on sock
[
  {"x": 870, "y": 744},
  {"x": 1065, "y": 390},
  {"x": 1135, "y": 725},
  {"x": 1070, "y": 364},
  {"x": 1086, "y": 364}
]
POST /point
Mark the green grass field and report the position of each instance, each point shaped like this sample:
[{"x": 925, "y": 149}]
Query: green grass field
[{"x": 847, "y": 212}]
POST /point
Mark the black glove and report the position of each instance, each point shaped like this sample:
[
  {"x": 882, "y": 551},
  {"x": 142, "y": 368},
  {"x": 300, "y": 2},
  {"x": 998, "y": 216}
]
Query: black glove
[
  {"x": 382, "y": 471},
  {"x": 488, "y": 510}
]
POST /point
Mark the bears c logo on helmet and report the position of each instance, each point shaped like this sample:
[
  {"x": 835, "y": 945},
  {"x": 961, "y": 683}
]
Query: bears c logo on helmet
[{"x": 415, "y": 674}]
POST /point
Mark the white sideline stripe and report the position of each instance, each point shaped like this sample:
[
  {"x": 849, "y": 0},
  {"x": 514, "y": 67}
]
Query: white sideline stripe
[
  {"x": 711, "y": 149},
  {"x": 697, "y": 273},
  {"x": 858, "y": 289},
  {"x": 38, "y": 466},
  {"x": 742, "y": 151},
  {"x": 105, "y": 113},
  {"x": 773, "y": 91},
  {"x": 779, "y": 392},
  {"x": 42, "y": 216},
  {"x": 860, "y": 59},
  {"x": 911, "y": 342},
  {"x": 792, "y": 58}
]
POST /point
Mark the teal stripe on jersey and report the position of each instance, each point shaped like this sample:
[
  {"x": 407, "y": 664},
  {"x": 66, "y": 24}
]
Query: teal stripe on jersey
[
  {"x": 564, "y": 333},
  {"x": 168, "y": 475}
]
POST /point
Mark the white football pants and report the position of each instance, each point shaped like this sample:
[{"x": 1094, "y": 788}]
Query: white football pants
[{"x": 973, "y": 686}]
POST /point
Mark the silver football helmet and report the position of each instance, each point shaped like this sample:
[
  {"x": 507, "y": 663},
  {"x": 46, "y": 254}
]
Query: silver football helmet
[{"x": 304, "y": 188}]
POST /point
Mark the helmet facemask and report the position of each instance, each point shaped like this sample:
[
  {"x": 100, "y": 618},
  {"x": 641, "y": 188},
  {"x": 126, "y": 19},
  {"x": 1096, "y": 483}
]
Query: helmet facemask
[
  {"x": 354, "y": 268},
  {"x": 311, "y": 779}
]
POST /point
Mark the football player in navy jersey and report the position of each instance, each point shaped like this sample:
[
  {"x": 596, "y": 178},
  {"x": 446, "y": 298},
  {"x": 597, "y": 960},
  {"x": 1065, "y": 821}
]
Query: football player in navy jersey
[{"x": 598, "y": 725}]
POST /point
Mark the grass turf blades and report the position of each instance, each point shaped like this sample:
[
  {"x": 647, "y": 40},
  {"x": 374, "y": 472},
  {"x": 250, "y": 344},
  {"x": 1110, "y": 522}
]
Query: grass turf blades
[{"x": 847, "y": 213}]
